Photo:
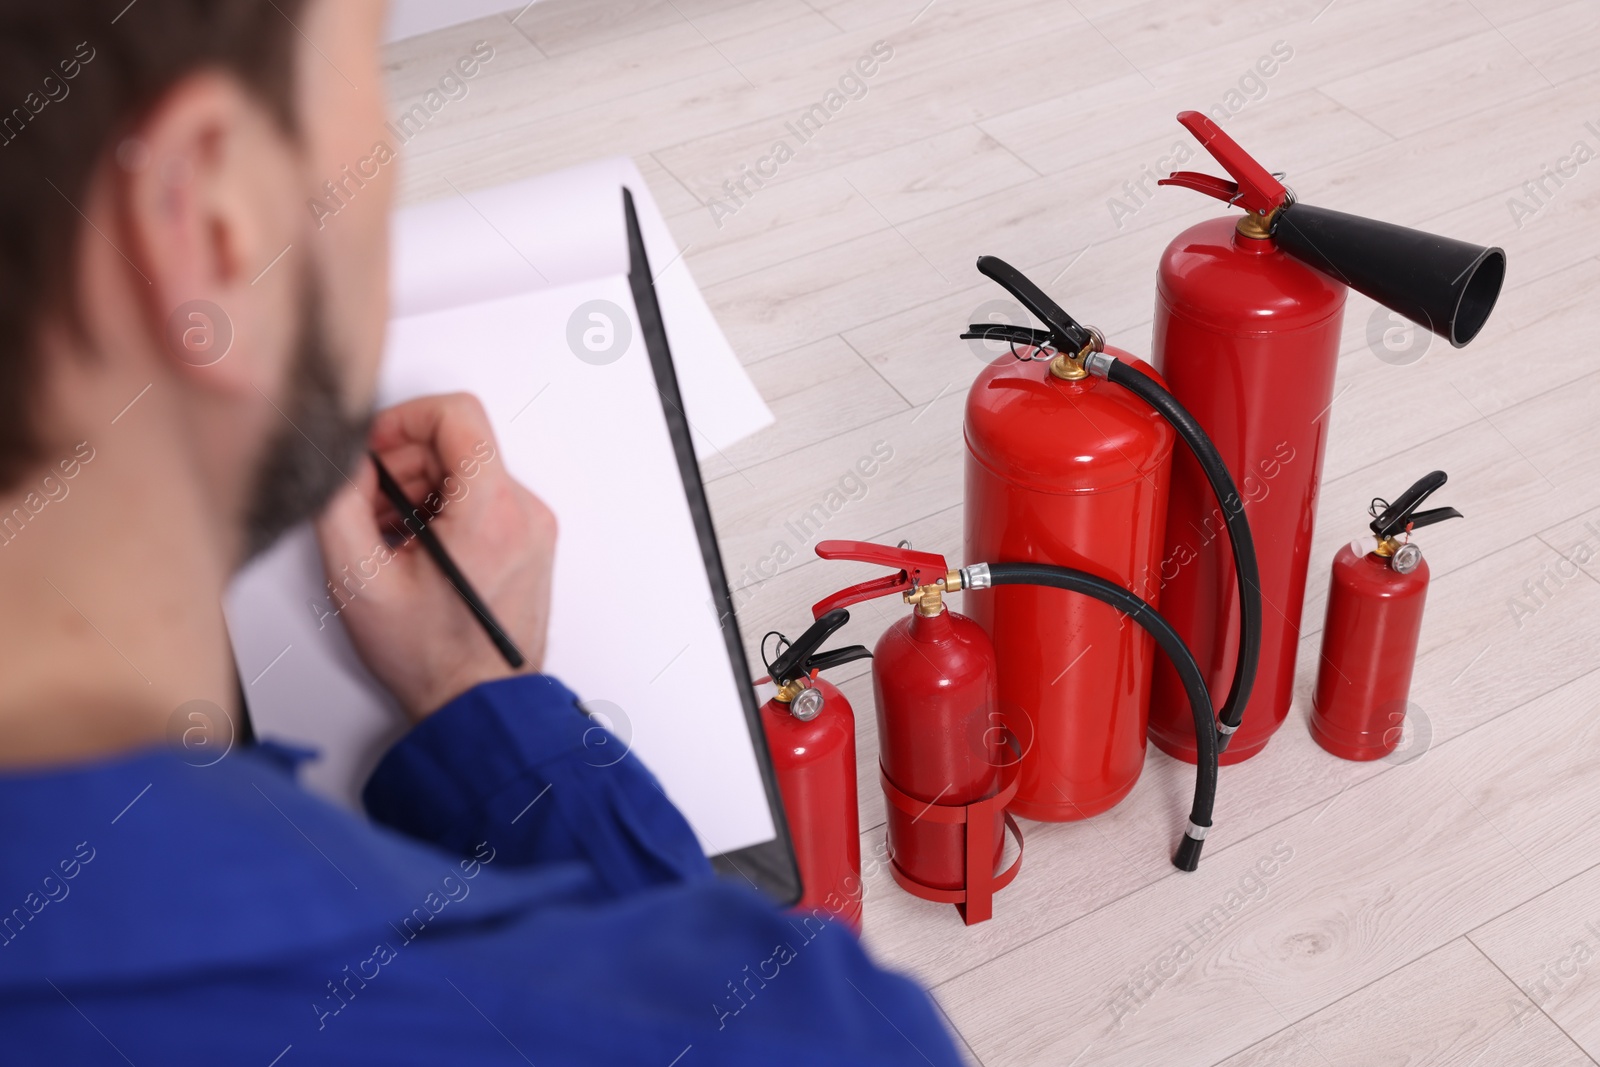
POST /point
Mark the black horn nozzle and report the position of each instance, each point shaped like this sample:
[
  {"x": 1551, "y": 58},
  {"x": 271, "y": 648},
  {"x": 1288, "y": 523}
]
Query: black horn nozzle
[{"x": 1445, "y": 285}]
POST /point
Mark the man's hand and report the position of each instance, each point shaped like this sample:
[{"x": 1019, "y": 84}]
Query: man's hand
[{"x": 409, "y": 626}]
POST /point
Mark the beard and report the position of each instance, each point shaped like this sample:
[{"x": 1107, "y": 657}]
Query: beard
[{"x": 306, "y": 460}]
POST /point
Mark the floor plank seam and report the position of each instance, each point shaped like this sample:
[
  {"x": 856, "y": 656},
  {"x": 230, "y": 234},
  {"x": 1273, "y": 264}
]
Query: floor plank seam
[
  {"x": 675, "y": 176},
  {"x": 880, "y": 29},
  {"x": 1086, "y": 167},
  {"x": 1542, "y": 893},
  {"x": 498, "y": 136},
  {"x": 608, "y": 43},
  {"x": 1274, "y": 825},
  {"x": 523, "y": 33},
  {"x": 1291, "y": 1026},
  {"x": 1380, "y": 461},
  {"x": 1534, "y": 1003},
  {"x": 978, "y": 124},
  {"x": 875, "y": 369},
  {"x": 1041, "y": 266}
]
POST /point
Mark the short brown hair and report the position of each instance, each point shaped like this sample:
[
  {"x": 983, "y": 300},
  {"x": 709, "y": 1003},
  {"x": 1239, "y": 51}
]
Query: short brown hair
[{"x": 74, "y": 75}]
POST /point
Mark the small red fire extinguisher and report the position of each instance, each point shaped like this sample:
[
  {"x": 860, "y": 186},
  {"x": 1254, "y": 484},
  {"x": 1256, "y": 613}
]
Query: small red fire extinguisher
[
  {"x": 811, "y": 734},
  {"x": 933, "y": 676},
  {"x": 948, "y": 763},
  {"x": 1369, "y": 638},
  {"x": 1247, "y": 325}
]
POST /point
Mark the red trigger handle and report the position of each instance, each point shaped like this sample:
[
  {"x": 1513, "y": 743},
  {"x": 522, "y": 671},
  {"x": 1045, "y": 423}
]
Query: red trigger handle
[
  {"x": 1253, "y": 188},
  {"x": 1221, "y": 188},
  {"x": 913, "y": 570}
]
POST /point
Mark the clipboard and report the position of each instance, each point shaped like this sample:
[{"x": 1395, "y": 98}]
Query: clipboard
[
  {"x": 769, "y": 865},
  {"x": 607, "y": 441}
]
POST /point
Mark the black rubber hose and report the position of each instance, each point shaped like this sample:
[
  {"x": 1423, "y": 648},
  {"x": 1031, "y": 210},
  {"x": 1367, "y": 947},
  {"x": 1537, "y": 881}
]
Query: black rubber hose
[
  {"x": 1232, "y": 505},
  {"x": 1187, "y": 858}
]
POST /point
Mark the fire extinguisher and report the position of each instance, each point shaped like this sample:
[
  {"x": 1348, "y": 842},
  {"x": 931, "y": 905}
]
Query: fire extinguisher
[
  {"x": 946, "y": 769},
  {"x": 939, "y": 749},
  {"x": 1068, "y": 450},
  {"x": 1369, "y": 638},
  {"x": 811, "y": 734},
  {"x": 1247, "y": 325}
]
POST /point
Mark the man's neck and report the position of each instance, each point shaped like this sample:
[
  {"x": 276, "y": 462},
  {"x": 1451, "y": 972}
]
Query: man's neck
[{"x": 111, "y": 583}]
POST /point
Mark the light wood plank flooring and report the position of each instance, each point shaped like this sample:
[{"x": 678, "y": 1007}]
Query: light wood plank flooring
[{"x": 1444, "y": 910}]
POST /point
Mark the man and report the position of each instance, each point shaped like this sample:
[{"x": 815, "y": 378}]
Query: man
[{"x": 186, "y": 367}]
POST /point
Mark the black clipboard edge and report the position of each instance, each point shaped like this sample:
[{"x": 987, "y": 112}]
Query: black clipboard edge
[{"x": 771, "y": 865}]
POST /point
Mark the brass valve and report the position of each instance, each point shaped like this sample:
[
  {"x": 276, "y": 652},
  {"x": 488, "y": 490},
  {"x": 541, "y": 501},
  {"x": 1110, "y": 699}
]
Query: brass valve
[
  {"x": 1069, "y": 366},
  {"x": 1259, "y": 227},
  {"x": 929, "y": 599}
]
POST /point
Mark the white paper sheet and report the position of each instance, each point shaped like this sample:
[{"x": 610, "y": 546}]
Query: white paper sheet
[
  {"x": 632, "y": 628},
  {"x": 561, "y": 228}
]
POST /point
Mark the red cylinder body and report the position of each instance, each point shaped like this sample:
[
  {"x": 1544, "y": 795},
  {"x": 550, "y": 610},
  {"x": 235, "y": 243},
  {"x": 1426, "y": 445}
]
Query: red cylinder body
[
  {"x": 934, "y": 679},
  {"x": 816, "y": 767},
  {"x": 1248, "y": 340},
  {"x": 1369, "y": 646},
  {"x": 1075, "y": 474}
]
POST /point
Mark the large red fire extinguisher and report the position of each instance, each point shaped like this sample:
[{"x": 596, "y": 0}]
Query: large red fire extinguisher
[
  {"x": 1369, "y": 637},
  {"x": 1069, "y": 445},
  {"x": 811, "y": 734},
  {"x": 1247, "y": 326},
  {"x": 948, "y": 765}
]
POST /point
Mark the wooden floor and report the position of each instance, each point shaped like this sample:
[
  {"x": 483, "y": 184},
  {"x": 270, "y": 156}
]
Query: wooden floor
[{"x": 1443, "y": 910}]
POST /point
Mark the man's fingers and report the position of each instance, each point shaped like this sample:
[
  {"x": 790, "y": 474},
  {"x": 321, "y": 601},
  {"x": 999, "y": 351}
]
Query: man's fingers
[
  {"x": 437, "y": 447},
  {"x": 348, "y": 527},
  {"x": 413, "y": 465},
  {"x": 424, "y": 484},
  {"x": 455, "y": 427}
]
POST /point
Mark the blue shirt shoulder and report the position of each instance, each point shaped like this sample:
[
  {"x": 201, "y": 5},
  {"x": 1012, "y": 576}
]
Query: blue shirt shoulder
[{"x": 514, "y": 899}]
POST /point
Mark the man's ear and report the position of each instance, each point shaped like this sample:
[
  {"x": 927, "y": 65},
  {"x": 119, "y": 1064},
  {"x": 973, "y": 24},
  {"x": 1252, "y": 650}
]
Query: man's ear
[{"x": 208, "y": 187}]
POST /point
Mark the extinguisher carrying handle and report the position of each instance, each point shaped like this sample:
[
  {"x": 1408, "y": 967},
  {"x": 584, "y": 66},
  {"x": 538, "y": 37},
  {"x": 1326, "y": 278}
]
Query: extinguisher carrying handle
[
  {"x": 1245, "y": 565},
  {"x": 913, "y": 570},
  {"x": 1402, "y": 514},
  {"x": 794, "y": 660},
  {"x": 1065, "y": 333},
  {"x": 1005, "y": 331},
  {"x": 838, "y": 657},
  {"x": 1419, "y": 519},
  {"x": 1187, "y": 857},
  {"x": 1253, "y": 188},
  {"x": 801, "y": 657}
]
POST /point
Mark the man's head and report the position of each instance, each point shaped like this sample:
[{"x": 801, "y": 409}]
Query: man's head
[{"x": 157, "y": 162}]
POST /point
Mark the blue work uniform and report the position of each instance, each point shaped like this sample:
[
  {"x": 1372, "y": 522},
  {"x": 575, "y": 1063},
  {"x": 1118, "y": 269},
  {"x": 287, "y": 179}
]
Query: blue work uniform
[{"x": 511, "y": 902}]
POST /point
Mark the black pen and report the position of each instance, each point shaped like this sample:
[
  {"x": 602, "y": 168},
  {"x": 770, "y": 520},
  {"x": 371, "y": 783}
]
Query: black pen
[{"x": 452, "y": 573}]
